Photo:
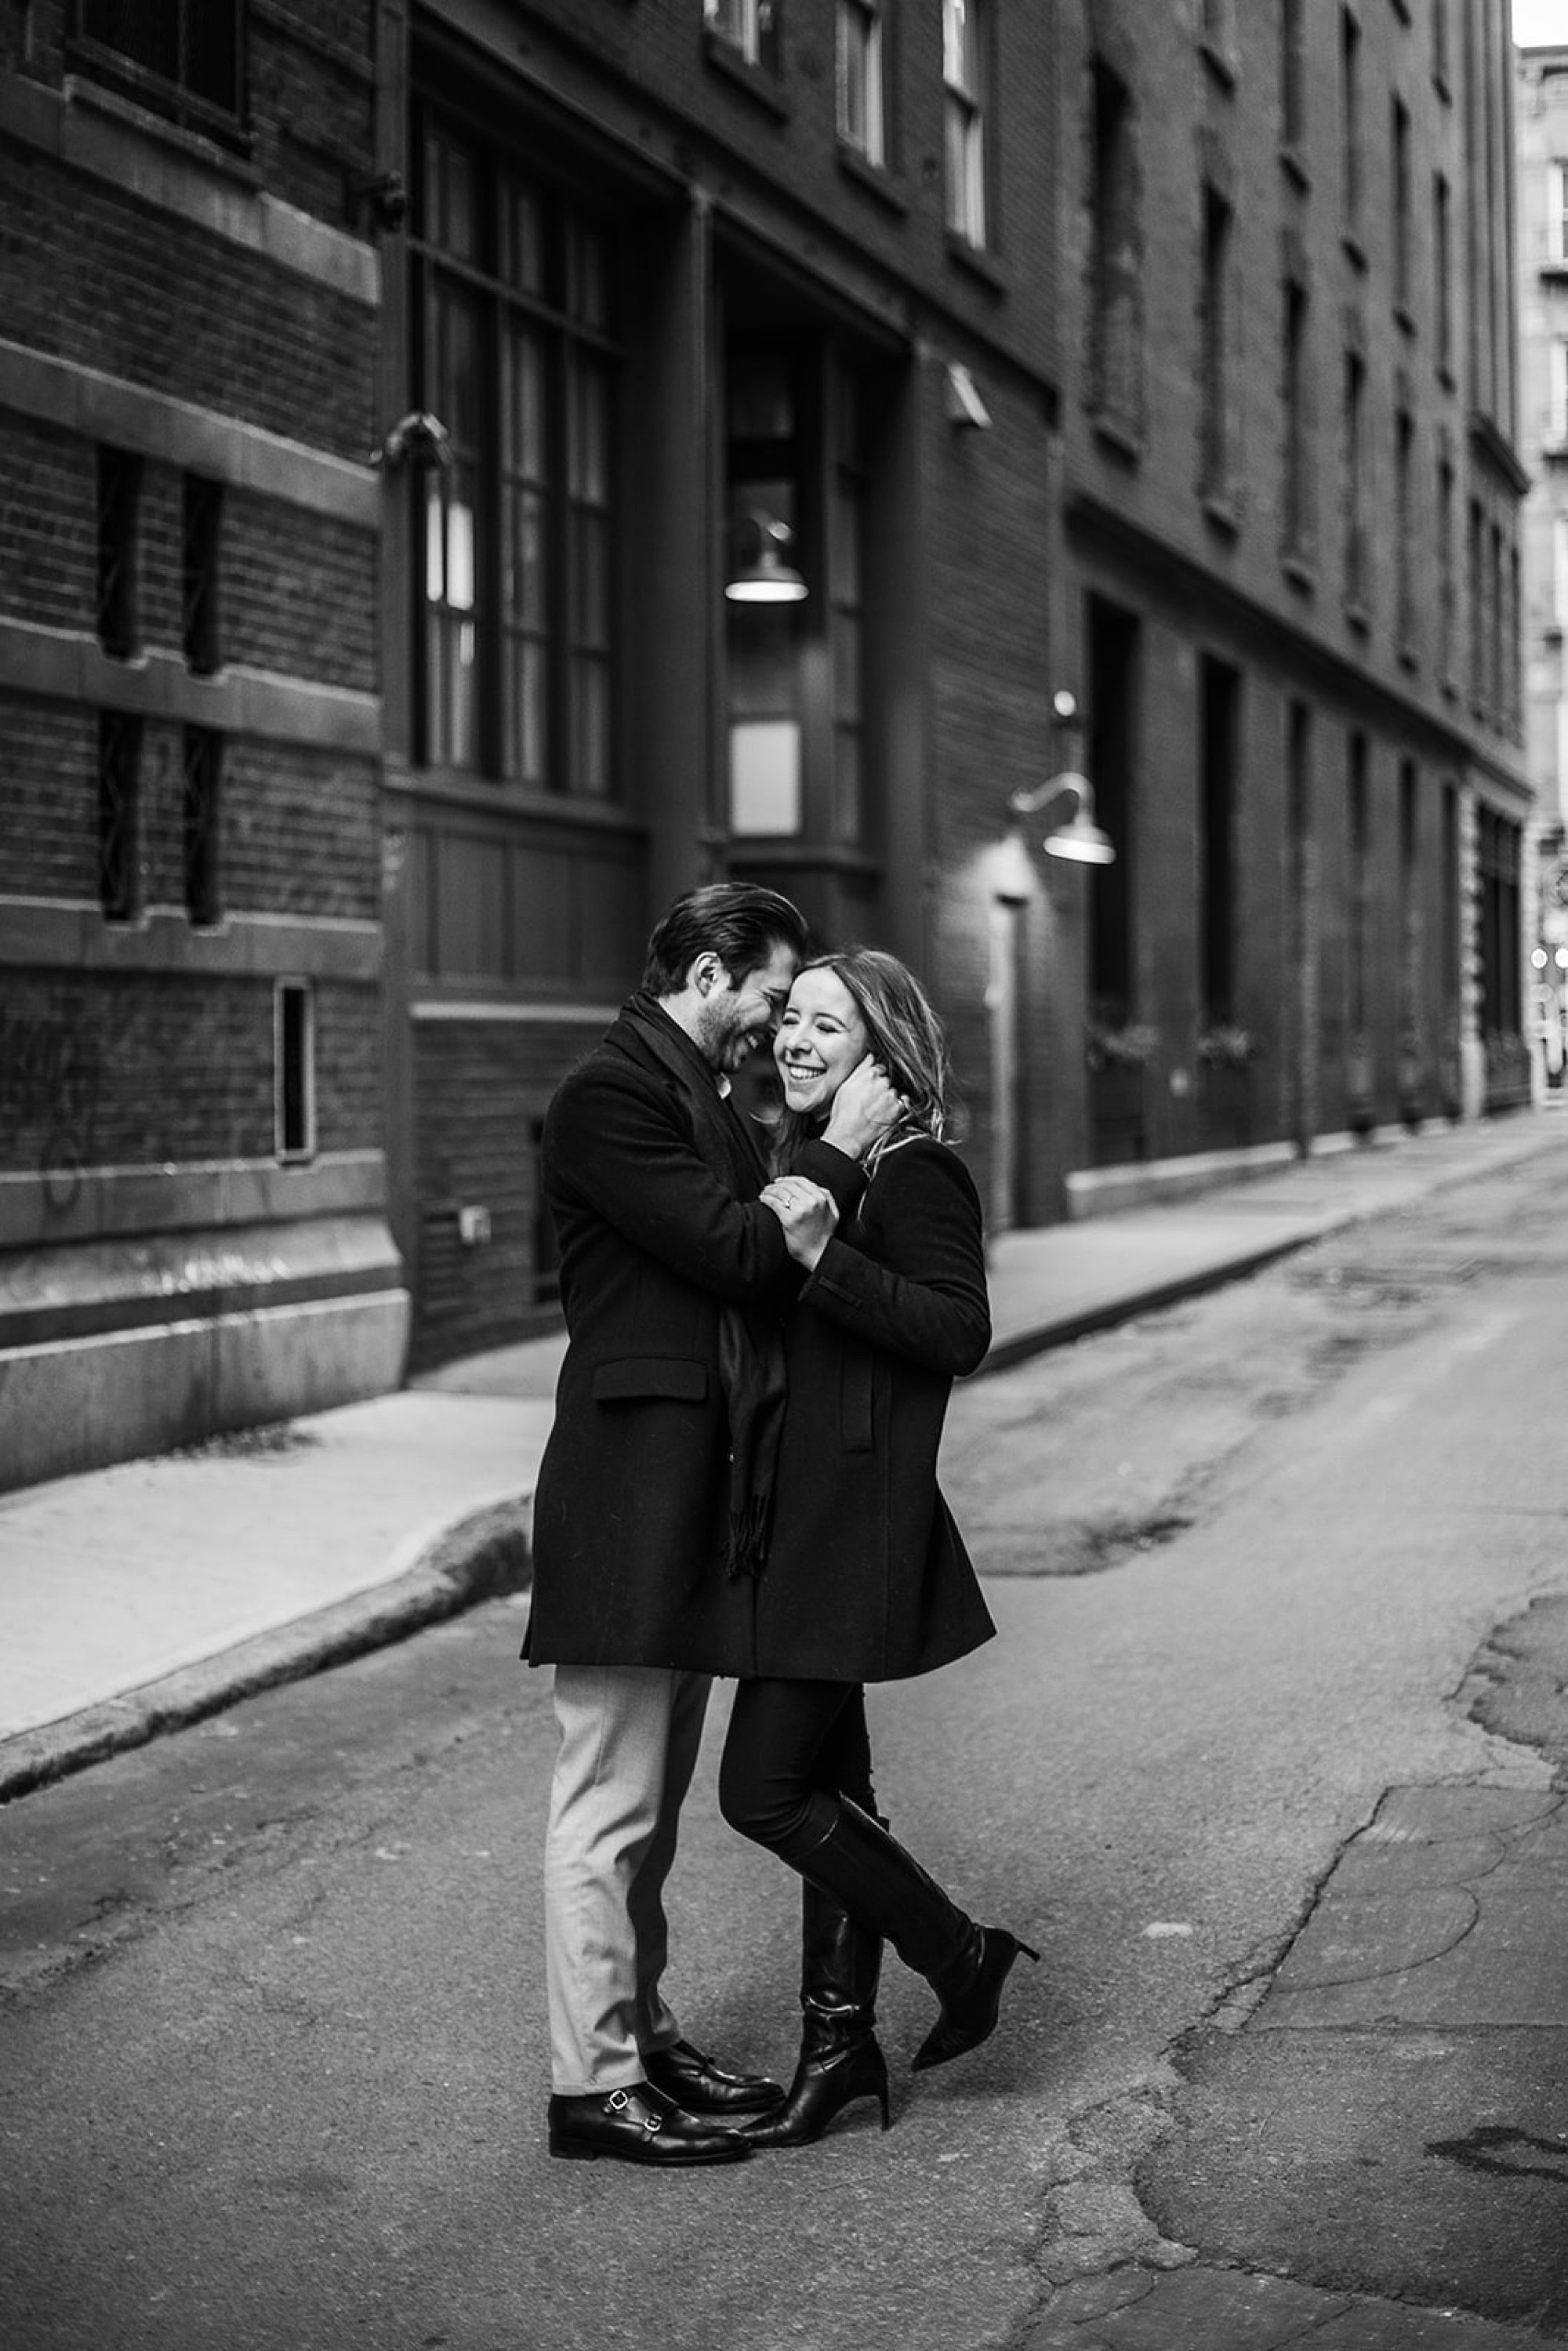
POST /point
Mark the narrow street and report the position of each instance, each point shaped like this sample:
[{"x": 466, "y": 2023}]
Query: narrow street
[{"x": 271, "y": 2017}]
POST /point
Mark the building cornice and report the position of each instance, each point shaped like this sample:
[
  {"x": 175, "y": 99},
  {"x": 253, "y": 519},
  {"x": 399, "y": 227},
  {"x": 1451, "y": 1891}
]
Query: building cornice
[{"x": 1192, "y": 585}]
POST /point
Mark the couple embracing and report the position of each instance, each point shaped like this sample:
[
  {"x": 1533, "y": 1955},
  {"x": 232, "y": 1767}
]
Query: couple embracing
[{"x": 740, "y": 1481}]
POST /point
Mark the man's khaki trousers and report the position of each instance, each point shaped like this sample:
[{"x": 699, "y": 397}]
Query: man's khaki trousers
[{"x": 629, "y": 1740}]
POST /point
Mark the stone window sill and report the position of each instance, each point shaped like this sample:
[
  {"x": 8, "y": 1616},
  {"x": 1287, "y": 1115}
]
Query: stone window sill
[
  {"x": 755, "y": 82},
  {"x": 873, "y": 178}
]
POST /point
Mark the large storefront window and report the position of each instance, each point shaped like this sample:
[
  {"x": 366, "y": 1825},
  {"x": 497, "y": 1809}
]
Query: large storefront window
[{"x": 513, "y": 289}]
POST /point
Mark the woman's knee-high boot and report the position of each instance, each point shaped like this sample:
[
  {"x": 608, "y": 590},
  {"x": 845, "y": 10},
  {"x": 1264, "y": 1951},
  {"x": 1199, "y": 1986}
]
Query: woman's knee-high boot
[
  {"x": 841, "y": 2060},
  {"x": 887, "y": 1890}
]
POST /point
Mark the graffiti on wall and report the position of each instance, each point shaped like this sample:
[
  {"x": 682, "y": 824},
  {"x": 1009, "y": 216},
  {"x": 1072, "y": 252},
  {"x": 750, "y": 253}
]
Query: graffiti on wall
[{"x": 52, "y": 1067}]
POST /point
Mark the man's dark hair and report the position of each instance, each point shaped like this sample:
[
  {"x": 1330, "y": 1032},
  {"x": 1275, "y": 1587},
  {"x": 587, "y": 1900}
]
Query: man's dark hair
[{"x": 736, "y": 921}]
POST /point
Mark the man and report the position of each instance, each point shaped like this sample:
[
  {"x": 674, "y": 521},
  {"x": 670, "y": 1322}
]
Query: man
[{"x": 652, "y": 1498}]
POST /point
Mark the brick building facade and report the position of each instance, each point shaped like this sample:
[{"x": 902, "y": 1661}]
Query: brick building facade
[
  {"x": 1542, "y": 82},
  {"x": 1100, "y": 387},
  {"x": 193, "y": 1192},
  {"x": 1291, "y": 511}
]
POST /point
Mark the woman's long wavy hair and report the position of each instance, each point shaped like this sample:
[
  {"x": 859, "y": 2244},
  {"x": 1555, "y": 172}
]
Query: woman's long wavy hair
[{"x": 902, "y": 1033}]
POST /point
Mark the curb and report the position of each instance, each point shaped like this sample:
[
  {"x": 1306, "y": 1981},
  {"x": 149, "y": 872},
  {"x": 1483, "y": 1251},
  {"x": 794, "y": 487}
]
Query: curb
[
  {"x": 476, "y": 1557},
  {"x": 485, "y": 1552}
]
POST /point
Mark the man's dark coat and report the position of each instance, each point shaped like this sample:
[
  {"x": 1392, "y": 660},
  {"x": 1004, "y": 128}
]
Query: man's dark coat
[{"x": 630, "y": 1513}]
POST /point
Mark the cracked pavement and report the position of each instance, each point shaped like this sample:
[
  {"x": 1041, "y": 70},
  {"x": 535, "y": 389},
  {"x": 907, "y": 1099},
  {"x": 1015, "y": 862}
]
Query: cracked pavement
[{"x": 1275, "y": 1725}]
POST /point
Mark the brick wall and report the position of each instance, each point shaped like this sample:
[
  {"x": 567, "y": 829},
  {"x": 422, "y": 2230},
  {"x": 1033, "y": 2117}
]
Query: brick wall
[
  {"x": 128, "y": 1069},
  {"x": 482, "y": 1088},
  {"x": 86, "y": 272}
]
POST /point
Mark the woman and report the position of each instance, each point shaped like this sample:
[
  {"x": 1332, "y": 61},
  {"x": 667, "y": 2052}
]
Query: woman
[{"x": 866, "y": 1577}]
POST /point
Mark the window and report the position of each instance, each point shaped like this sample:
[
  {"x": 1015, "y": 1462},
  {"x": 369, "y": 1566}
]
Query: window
[
  {"x": 1293, "y": 74},
  {"x": 1557, "y": 391},
  {"x": 863, "y": 124},
  {"x": 1409, "y": 981},
  {"x": 119, "y": 815},
  {"x": 963, "y": 75},
  {"x": 1358, "y": 822},
  {"x": 184, "y": 58},
  {"x": 1297, "y": 503},
  {"x": 1350, "y": 122},
  {"x": 763, "y": 640},
  {"x": 1443, "y": 270},
  {"x": 802, "y": 442},
  {"x": 1560, "y": 570},
  {"x": 1441, "y": 46},
  {"x": 1115, "y": 354},
  {"x": 1557, "y": 212},
  {"x": 1217, "y": 34},
  {"x": 514, "y": 286},
  {"x": 1114, "y": 640},
  {"x": 118, "y": 531},
  {"x": 1446, "y": 647},
  {"x": 847, "y": 492},
  {"x": 1214, "y": 426},
  {"x": 294, "y": 1070},
  {"x": 1404, "y": 532},
  {"x": 1357, "y": 553},
  {"x": 201, "y": 521},
  {"x": 1219, "y": 691},
  {"x": 1400, "y": 132},
  {"x": 751, "y": 27},
  {"x": 202, "y": 766},
  {"x": 1476, "y": 584}
]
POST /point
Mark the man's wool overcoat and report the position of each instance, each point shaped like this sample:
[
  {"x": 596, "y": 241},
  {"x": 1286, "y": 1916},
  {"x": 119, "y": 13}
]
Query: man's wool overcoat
[
  {"x": 867, "y": 1578},
  {"x": 630, "y": 1513}
]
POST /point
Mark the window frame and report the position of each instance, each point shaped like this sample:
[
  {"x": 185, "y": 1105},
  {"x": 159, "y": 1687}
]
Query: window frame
[
  {"x": 753, "y": 29},
  {"x": 967, "y": 206},
  {"x": 1557, "y": 213},
  {"x": 170, "y": 95},
  {"x": 870, "y": 18},
  {"x": 509, "y": 318}
]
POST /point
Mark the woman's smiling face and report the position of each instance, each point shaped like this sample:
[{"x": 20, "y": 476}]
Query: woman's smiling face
[{"x": 821, "y": 1039}]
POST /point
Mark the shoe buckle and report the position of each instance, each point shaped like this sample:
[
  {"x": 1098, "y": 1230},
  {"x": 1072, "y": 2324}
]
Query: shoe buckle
[{"x": 618, "y": 2103}]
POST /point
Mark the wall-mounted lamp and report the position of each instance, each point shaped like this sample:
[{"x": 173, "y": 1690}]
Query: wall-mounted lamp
[
  {"x": 1075, "y": 834},
  {"x": 761, "y": 575},
  {"x": 416, "y": 439},
  {"x": 382, "y": 196},
  {"x": 961, "y": 400}
]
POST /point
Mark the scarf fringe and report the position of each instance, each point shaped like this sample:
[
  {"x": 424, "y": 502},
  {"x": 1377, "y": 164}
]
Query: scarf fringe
[{"x": 747, "y": 1548}]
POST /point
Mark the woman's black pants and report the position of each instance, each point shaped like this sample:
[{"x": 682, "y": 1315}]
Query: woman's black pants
[{"x": 796, "y": 1777}]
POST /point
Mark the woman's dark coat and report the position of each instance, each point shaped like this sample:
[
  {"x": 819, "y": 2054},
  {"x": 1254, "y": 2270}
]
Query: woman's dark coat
[
  {"x": 867, "y": 1577},
  {"x": 630, "y": 1513}
]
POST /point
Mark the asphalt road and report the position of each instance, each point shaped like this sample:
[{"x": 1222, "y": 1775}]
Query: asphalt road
[{"x": 271, "y": 2025}]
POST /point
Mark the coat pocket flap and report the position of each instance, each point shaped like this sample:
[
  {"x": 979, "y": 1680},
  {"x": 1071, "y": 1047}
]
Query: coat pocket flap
[{"x": 649, "y": 1375}]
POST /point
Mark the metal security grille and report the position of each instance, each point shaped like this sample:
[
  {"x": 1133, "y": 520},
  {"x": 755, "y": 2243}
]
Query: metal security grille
[
  {"x": 118, "y": 830},
  {"x": 201, "y": 836},
  {"x": 183, "y": 57},
  {"x": 201, "y": 541},
  {"x": 118, "y": 505}
]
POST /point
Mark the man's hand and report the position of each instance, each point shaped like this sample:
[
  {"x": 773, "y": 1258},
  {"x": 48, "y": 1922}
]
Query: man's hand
[
  {"x": 807, "y": 1213},
  {"x": 864, "y": 1107}
]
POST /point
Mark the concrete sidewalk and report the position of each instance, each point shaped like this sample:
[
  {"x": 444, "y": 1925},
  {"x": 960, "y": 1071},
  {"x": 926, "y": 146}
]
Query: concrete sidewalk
[{"x": 143, "y": 1596}]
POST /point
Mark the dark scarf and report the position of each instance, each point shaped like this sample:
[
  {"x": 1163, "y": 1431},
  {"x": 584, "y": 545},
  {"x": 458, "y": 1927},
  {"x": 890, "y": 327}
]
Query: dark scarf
[{"x": 750, "y": 1340}]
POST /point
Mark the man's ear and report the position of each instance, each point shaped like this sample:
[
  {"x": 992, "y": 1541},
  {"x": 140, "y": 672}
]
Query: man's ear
[{"x": 704, "y": 973}]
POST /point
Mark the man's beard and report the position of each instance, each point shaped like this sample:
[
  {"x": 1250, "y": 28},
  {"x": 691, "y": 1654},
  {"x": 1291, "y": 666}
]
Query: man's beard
[{"x": 723, "y": 1042}]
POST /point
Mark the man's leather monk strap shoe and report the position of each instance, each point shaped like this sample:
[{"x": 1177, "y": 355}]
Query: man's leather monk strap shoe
[
  {"x": 638, "y": 2125},
  {"x": 695, "y": 2083}
]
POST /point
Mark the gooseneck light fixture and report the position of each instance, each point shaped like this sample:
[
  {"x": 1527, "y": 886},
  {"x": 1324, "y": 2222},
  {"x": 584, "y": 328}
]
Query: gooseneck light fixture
[
  {"x": 1074, "y": 835},
  {"x": 761, "y": 575}
]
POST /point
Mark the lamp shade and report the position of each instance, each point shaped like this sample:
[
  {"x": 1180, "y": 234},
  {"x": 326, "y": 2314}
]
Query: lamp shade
[
  {"x": 761, "y": 575},
  {"x": 1081, "y": 840}
]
